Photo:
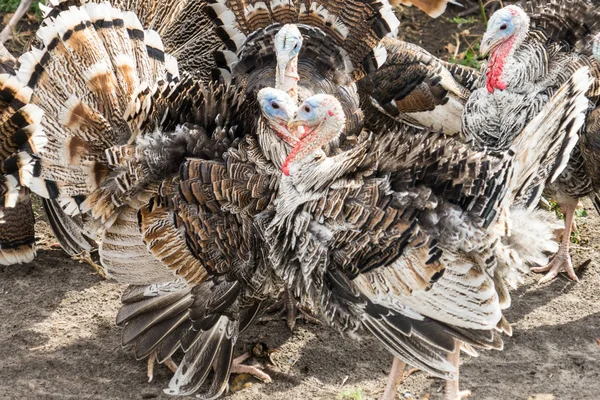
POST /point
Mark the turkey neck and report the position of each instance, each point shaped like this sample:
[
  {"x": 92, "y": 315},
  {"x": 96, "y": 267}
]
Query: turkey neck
[
  {"x": 313, "y": 139},
  {"x": 287, "y": 80}
]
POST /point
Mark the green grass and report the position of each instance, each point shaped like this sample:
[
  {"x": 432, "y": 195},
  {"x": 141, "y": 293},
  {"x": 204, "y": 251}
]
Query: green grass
[
  {"x": 10, "y": 6},
  {"x": 462, "y": 21},
  {"x": 469, "y": 58},
  {"x": 351, "y": 394}
]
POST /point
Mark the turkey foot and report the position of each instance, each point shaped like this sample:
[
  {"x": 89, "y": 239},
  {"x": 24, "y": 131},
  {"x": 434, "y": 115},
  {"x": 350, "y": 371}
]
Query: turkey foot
[
  {"x": 562, "y": 260},
  {"x": 290, "y": 309},
  {"x": 86, "y": 257},
  {"x": 238, "y": 368},
  {"x": 396, "y": 377},
  {"x": 152, "y": 362},
  {"x": 452, "y": 392}
]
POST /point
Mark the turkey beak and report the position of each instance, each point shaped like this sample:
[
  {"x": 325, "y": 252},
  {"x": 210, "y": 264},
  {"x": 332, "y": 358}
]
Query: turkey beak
[
  {"x": 488, "y": 44},
  {"x": 296, "y": 125}
]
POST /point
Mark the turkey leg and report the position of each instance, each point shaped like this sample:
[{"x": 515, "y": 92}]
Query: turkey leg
[
  {"x": 562, "y": 260},
  {"x": 395, "y": 378},
  {"x": 452, "y": 392},
  {"x": 291, "y": 309}
]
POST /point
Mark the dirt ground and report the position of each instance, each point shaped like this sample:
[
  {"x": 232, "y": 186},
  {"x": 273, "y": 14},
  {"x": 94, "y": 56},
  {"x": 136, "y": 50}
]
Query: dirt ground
[{"x": 58, "y": 339}]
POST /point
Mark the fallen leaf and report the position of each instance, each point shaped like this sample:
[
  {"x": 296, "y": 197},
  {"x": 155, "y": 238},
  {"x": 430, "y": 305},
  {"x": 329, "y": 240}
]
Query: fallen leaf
[{"x": 450, "y": 48}]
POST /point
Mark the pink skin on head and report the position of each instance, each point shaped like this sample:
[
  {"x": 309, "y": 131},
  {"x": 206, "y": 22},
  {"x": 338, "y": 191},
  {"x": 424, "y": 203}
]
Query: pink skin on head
[
  {"x": 497, "y": 61},
  {"x": 311, "y": 140}
]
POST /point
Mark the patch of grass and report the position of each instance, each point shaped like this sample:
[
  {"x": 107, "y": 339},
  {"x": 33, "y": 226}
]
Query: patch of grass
[
  {"x": 556, "y": 208},
  {"x": 351, "y": 394},
  {"x": 462, "y": 21},
  {"x": 10, "y": 6},
  {"x": 469, "y": 58},
  {"x": 581, "y": 213}
]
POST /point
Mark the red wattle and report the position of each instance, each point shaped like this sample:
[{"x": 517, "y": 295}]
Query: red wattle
[
  {"x": 495, "y": 67},
  {"x": 285, "y": 168}
]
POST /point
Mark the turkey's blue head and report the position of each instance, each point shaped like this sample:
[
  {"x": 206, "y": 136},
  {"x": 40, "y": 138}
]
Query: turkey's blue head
[
  {"x": 277, "y": 107},
  {"x": 288, "y": 42},
  {"x": 506, "y": 30},
  {"x": 507, "y": 25},
  {"x": 321, "y": 119}
]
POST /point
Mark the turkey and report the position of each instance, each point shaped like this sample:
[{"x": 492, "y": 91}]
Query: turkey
[
  {"x": 20, "y": 127},
  {"x": 119, "y": 122},
  {"x": 375, "y": 235},
  {"x": 533, "y": 51}
]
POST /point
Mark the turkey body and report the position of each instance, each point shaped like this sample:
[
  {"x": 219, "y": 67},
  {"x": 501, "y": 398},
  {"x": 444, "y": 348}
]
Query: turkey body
[{"x": 524, "y": 71}]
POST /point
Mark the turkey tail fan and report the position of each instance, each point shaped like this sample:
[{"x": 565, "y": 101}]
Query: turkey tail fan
[
  {"x": 68, "y": 230},
  {"x": 93, "y": 60},
  {"x": 570, "y": 21},
  {"x": 433, "y": 8},
  {"x": 356, "y": 26},
  {"x": 541, "y": 151},
  {"x": 17, "y": 231},
  {"x": 22, "y": 135}
]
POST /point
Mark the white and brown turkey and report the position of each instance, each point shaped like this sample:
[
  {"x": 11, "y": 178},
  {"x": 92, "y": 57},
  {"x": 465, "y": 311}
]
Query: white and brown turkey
[
  {"x": 119, "y": 121},
  {"x": 404, "y": 234},
  {"x": 533, "y": 50}
]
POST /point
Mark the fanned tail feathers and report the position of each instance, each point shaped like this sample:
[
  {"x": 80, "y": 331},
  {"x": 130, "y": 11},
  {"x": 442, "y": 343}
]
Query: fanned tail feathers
[{"x": 570, "y": 21}]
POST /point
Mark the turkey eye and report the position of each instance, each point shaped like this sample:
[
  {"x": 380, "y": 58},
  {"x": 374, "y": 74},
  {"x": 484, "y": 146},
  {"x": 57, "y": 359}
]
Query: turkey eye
[
  {"x": 295, "y": 46},
  {"x": 503, "y": 27},
  {"x": 307, "y": 109},
  {"x": 275, "y": 105}
]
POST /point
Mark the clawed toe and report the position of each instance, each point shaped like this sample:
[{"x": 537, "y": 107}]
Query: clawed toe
[
  {"x": 560, "y": 263},
  {"x": 238, "y": 368}
]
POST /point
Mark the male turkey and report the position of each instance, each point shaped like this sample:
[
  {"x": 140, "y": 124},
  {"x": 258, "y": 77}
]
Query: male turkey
[
  {"x": 402, "y": 234},
  {"x": 533, "y": 51},
  {"x": 119, "y": 122}
]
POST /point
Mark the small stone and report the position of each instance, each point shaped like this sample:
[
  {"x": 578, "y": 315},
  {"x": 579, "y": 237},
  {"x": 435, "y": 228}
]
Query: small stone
[{"x": 545, "y": 396}]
